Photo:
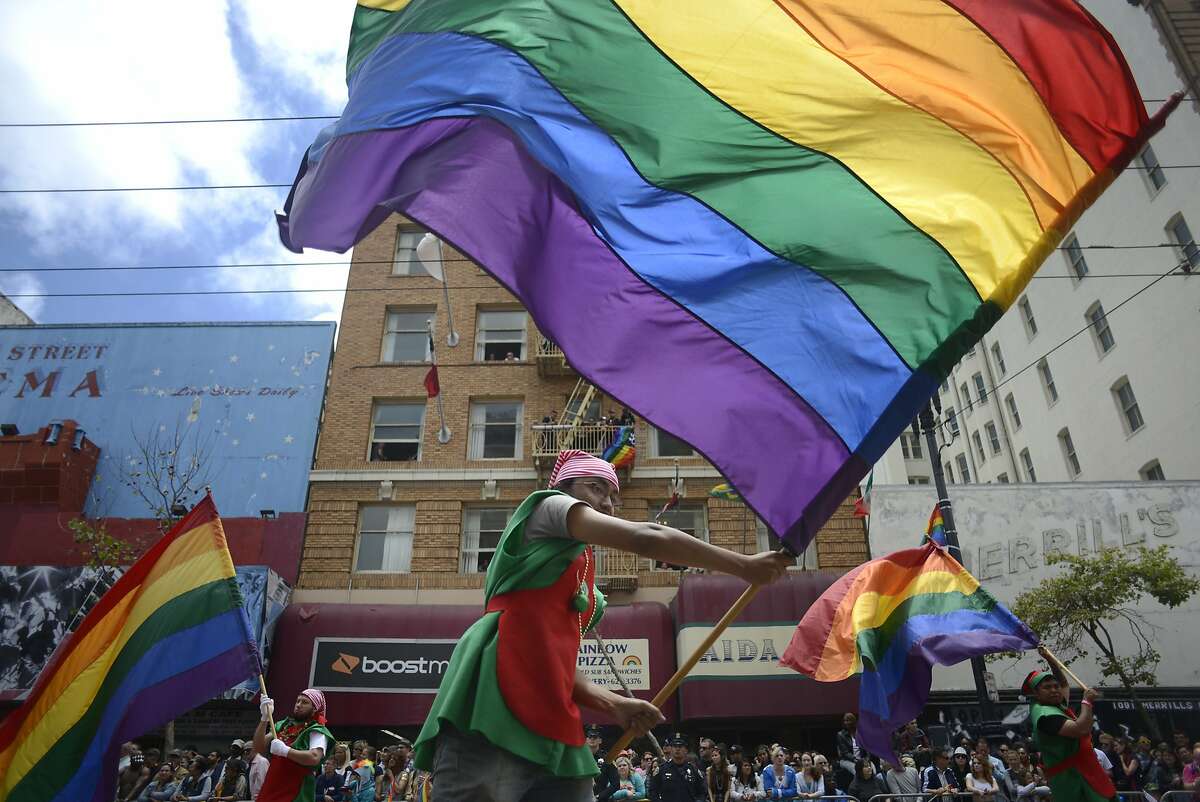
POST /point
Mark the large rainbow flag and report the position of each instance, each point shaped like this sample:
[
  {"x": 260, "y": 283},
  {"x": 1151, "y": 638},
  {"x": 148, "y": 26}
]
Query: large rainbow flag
[
  {"x": 768, "y": 226},
  {"x": 891, "y": 620},
  {"x": 170, "y": 635}
]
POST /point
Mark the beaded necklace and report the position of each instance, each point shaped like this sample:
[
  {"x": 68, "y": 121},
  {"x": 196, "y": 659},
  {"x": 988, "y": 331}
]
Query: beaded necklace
[{"x": 583, "y": 597}]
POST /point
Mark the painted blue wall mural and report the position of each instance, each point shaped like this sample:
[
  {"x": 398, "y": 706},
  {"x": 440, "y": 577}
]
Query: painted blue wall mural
[{"x": 242, "y": 398}]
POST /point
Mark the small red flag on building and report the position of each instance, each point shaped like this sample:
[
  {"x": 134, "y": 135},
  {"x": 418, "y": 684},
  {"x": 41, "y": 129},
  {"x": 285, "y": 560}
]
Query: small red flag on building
[{"x": 431, "y": 382}]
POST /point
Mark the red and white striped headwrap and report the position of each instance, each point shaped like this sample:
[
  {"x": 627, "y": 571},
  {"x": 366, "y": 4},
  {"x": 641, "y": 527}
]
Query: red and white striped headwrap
[
  {"x": 573, "y": 464},
  {"x": 317, "y": 698}
]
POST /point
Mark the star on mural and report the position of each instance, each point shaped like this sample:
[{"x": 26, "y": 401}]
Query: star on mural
[
  {"x": 156, "y": 372},
  {"x": 250, "y": 417},
  {"x": 289, "y": 439},
  {"x": 233, "y": 358},
  {"x": 262, "y": 475}
]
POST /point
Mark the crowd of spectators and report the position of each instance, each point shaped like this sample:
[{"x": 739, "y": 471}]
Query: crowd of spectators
[{"x": 983, "y": 771}]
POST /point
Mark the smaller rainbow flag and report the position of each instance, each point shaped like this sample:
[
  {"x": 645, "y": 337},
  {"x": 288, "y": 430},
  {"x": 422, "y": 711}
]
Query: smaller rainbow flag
[
  {"x": 936, "y": 530},
  {"x": 891, "y": 620},
  {"x": 623, "y": 448},
  {"x": 169, "y": 636},
  {"x": 725, "y": 491}
]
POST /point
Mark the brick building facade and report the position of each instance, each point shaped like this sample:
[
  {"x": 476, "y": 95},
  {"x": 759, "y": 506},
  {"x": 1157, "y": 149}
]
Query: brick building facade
[{"x": 391, "y": 508}]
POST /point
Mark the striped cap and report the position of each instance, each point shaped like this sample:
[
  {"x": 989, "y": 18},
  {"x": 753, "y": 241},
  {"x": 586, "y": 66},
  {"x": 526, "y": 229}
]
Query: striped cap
[
  {"x": 573, "y": 464},
  {"x": 317, "y": 698}
]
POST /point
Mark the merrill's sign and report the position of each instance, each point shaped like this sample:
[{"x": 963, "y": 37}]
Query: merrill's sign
[{"x": 380, "y": 665}]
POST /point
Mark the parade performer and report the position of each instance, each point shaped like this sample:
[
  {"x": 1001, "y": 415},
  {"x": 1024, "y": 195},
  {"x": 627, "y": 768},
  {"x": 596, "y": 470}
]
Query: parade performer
[
  {"x": 505, "y": 726},
  {"x": 1064, "y": 738},
  {"x": 297, "y": 752}
]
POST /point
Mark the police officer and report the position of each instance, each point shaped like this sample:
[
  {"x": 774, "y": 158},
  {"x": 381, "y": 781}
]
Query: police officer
[
  {"x": 607, "y": 782},
  {"x": 677, "y": 780}
]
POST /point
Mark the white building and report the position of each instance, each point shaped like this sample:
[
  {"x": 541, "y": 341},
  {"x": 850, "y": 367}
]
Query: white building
[
  {"x": 11, "y": 314},
  {"x": 1122, "y": 399}
]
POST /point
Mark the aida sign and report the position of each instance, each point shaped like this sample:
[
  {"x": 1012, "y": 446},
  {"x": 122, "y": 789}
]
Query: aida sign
[{"x": 380, "y": 665}]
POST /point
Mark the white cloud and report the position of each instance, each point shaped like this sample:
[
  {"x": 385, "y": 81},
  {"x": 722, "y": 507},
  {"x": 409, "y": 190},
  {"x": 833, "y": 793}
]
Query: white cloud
[
  {"x": 307, "y": 39},
  {"x": 24, "y": 284}
]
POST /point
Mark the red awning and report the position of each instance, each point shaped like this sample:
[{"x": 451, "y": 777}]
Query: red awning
[
  {"x": 740, "y": 676},
  {"x": 379, "y": 665}
]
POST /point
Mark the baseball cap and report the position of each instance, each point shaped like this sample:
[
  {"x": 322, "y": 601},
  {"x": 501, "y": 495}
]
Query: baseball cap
[
  {"x": 677, "y": 740},
  {"x": 592, "y": 731},
  {"x": 238, "y": 742},
  {"x": 960, "y": 751}
]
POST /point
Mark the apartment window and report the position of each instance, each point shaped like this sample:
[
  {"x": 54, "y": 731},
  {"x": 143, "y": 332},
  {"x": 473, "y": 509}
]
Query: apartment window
[
  {"x": 952, "y": 421},
  {"x": 1047, "y": 381},
  {"x": 975, "y": 438},
  {"x": 1152, "y": 472},
  {"x": 949, "y": 470},
  {"x": 1152, "y": 169},
  {"x": 1127, "y": 403},
  {"x": 993, "y": 436},
  {"x": 396, "y": 431},
  {"x": 1182, "y": 236},
  {"x": 385, "y": 537},
  {"x": 918, "y": 480},
  {"x": 965, "y": 392},
  {"x": 910, "y": 444},
  {"x": 495, "y": 430},
  {"x": 1027, "y": 317},
  {"x": 996, "y": 355},
  {"x": 1002, "y": 479},
  {"x": 971, "y": 351},
  {"x": 500, "y": 335},
  {"x": 668, "y": 445},
  {"x": 945, "y": 386},
  {"x": 980, "y": 389},
  {"x": 766, "y": 541},
  {"x": 1075, "y": 259},
  {"x": 1068, "y": 449},
  {"x": 1011, "y": 403},
  {"x": 1100, "y": 328},
  {"x": 963, "y": 473},
  {"x": 405, "y": 336},
  {"x": 1027, "y": 462},
  {"x": 686, "y": 518},
  {"x": 482, "y": 528},
  {"x": 404, "y": 260}
]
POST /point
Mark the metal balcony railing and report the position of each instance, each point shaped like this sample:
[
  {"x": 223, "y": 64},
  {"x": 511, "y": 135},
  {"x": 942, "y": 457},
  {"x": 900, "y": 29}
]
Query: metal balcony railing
[
  {"x": 550, "y": 438},
  {"x": 618, "y": 570},
  {"x": 550, "y": 358}
]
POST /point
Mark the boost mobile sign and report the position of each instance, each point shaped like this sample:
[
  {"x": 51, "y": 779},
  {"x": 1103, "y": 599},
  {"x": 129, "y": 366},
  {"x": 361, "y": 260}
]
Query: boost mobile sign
[{"x": 380, "y": 665}]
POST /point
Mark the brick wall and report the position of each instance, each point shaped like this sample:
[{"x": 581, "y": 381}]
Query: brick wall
[
  {"x": 358, "y": 379},
  {"x": 35, "y": 472}
]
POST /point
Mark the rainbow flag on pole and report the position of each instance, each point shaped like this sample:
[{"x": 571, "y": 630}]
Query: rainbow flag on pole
[
  {"x": 891, "y": 620},
  {"x": 169, "y": 636},
  {"x": 764, "y": 277},
  {"x": 623, "y": 449},
  {"x": 935, "y": 531}
]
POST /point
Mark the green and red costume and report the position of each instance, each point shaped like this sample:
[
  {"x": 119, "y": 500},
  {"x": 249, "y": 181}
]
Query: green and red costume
[
  {"x": 512, "y": 675},
  {"x": 1070, "y": 764},
  {"x": 287, "y": 780}
]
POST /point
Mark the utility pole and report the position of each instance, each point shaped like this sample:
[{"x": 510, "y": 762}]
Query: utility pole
[{"x": 926, "y": 423}]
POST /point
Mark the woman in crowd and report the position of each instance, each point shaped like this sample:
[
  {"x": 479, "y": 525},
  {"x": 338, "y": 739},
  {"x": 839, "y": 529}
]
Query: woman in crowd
[
  {"x": 822, "y": 767},
  {"x": 866, "y": 783},
  {"x": 716, "y": 776},
  {"x": 162, "y": 788},
  {"x": 1131, "y": 767},
  {"x": 632, "y": 784},
  {"x": 196, "y": 787},
  {"x": 1165, "y": 775},
  {"x": 981, "y": 782},
  {"x": 341, "y": 757},
  {"x": 779, "y": 779},
  {"x": 960, "y": 764},
  {"x": 232, "y": 787},
  {"x": 747, "y": 783},
  {"x": 809, "y": 782},
  {"x": 906, "y": 779},
  {"x": 762, "y": 758}
]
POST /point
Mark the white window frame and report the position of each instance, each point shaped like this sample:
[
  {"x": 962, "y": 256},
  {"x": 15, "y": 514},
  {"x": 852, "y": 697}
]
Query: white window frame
[
  {"x": 1097, "y": 322},
  {"x": 373, "y": 440},
  {"x": 964, "y": 468},
  {"x": 1013, "y": 412},
  {"x": 657, "y": 451},
  {"x": 1077, "y": 264},
  {"x": 965, "y": 391},
  {"x": 1150, "y": 169},
  {"x": 1125, "y": 406},
  {"x": 470, "y": 550},
  {"x": 477, "y": 436},
  {"x": 1002, "y": 478},
  {"x": 1152, "y": 472},
  {"x": 910, "y": 446},
  {"x": 980, "y": 388},
  {"x": 404, "y": 252},
  {"x": 1048, "y": 386},
  {"x": 482, "y": 339},
  {"x": 393, "y": 329},
  {"x": 952, "y": 422},
  {"x": 978, "y": 440},
  {"x": 999, "y": 357},
  {"x": 1067, "y": 444},
  {"x": 993, "y": 435},
  {"x": 765, "y": 540},
  {"x": 948, "y": 469},
  {"x": 918, "y": 480},
  {"x": 671, "y": 518},
  {"x": 1187, "y": 250},
  {"x": 398, "y": 534},
  {"x": 1027, "y": 317},
  {"x": 1027, "y": 464}
]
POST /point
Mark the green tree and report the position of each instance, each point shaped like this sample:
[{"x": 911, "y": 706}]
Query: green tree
[{"x": 1076, "y": 612}]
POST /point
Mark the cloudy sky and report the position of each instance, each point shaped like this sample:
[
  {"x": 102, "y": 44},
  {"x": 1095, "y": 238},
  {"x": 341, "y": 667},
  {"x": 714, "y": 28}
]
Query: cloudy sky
[{"x": 141, "y": 60}]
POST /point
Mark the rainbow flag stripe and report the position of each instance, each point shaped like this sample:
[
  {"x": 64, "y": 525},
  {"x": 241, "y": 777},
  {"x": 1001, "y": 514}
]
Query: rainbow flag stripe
[
  {"x": 935, "y": 531},
  {"x": 623, "y": 449},
  {"x": 790, "y": 217},
  {"x": 891, "y": 620},
  {"x": 170, "y": 635}
]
